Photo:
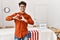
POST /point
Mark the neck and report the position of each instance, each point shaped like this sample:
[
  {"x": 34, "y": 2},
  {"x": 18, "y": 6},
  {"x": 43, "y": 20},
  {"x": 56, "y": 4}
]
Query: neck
[{"x": 22, "y": 12}]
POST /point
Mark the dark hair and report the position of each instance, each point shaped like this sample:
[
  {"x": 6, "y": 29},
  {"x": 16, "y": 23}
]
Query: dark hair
[{"x": 22, "y": 2}]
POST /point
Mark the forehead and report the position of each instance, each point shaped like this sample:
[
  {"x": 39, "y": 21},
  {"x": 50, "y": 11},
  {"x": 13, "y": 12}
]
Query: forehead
[{"x": 22, "y": 5}]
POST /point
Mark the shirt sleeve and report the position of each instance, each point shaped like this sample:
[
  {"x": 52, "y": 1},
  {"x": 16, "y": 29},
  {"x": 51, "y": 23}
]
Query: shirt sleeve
[
  {"x": 9, "y": 18},
  {"x": 29, "y": 20}
]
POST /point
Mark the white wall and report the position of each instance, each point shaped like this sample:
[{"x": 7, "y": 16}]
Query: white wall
[
  {"x": 13, "y": 8},
  {"x": 54, "y": 13},
  {"x": 1, "y": 13},
  {"x": 36, "y": 8}
]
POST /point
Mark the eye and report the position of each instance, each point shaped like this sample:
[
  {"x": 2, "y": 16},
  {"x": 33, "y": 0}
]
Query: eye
[{"x": 6, "y": 9}]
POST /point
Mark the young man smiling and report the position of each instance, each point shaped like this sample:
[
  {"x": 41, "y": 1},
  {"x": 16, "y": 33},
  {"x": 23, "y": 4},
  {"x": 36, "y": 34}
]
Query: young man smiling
[{"x": 21, "y": 19}]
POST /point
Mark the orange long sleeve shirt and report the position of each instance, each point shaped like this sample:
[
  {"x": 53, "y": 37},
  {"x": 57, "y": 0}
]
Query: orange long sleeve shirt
[{"x": 21, "y": 26}]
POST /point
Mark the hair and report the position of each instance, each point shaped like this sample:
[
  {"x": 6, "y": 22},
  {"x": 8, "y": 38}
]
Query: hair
[{"x": 22, "y": 2}]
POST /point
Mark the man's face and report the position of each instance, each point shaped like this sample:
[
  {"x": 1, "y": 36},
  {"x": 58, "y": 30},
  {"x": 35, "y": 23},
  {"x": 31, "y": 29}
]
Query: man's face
[{"x": 22, "y": 7}]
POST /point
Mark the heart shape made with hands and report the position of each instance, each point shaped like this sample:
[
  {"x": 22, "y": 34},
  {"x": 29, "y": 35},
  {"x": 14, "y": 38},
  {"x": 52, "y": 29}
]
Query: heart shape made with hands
[{"x": 20, "y": 17}]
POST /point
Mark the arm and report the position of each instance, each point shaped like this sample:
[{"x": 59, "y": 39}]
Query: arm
[
  {"x": 9, "y": 18},
  {"x": 30, "y": 21}
]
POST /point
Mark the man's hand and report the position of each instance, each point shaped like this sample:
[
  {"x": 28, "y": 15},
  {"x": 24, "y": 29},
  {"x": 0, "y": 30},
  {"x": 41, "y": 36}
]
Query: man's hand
[
  {"x": 23, "y": 19},
  {"x": 16, "y": 17}
]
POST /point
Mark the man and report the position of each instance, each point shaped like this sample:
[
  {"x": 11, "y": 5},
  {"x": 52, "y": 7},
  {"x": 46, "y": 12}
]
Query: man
[{"x": 21, "y": 20}]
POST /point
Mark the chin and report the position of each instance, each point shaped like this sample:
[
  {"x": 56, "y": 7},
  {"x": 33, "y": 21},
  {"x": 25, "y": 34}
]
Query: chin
[{"x": 23, "y": 11}]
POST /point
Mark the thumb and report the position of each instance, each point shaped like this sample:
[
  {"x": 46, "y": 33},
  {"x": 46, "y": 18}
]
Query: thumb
[{"x": 17, "y": 14}]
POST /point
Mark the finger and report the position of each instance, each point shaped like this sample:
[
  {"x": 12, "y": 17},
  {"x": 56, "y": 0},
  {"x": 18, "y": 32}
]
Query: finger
[
  {"x": 17, "y": 14},
  {"x": 17, "y": 18}
]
